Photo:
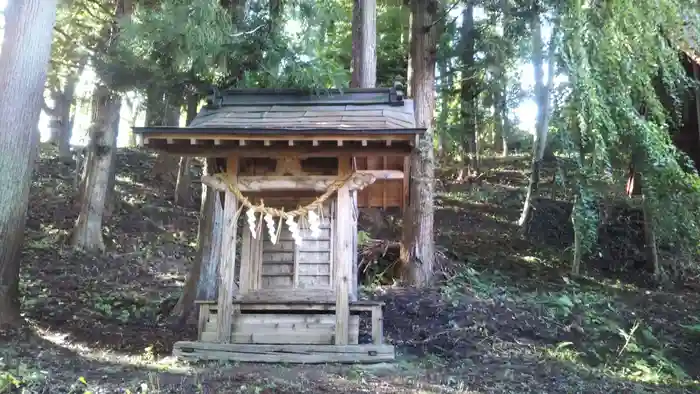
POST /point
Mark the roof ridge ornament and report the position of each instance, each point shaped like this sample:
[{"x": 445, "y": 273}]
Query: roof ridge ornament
[
  {"x": 214, "y": 99},
  {"x": 396, "y": 94}
]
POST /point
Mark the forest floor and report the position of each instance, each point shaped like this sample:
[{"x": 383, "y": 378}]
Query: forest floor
[{"x": 507, "y": 317}]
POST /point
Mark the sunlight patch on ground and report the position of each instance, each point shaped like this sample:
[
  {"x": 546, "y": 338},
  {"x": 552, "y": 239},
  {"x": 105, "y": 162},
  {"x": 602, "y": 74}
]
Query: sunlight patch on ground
[{"x": 146, "y": 360}]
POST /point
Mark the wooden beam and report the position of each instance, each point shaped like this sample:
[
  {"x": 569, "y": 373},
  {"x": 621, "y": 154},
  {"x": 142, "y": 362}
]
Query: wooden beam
[
  {"x": 358, "y": 181},
  {"x": 246, "y": 261},
  {"x": 220, "y": 150},
  {"x": 227, "y": 267},
  {"x": 350, "y": 135},
  {"x": 307, "y": 354},
  {"x": 342, "y": 256}
]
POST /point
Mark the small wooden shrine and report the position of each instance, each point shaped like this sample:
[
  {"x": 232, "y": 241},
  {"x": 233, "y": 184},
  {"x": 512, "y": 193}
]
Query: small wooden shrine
[{"x": 295, "y": 163}]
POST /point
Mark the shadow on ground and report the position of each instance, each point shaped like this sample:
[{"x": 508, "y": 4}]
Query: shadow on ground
[{"x": 497, "y": 325}]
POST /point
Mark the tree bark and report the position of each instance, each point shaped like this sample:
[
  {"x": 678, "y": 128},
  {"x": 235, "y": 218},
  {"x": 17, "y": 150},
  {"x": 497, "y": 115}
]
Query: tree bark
[
  {"x": 99, "y": 173},
  {"x": 60, "y": 120},
  {"x": 87, "y": 233},
  {"x": 364, "y": 44},
  {"x": 418, "y": 242},
  {"x": 542, "y": 93},
  {"x": 201, "y": 281},
  {"x": 23, "y": 65},
  {"x": 368, "y": 51},
  {"x": 165, "y": 112},
  {"x": 356, "y": 54},
  {"x": 469, "y": 92},
  {"x": 184, "y": 179}
]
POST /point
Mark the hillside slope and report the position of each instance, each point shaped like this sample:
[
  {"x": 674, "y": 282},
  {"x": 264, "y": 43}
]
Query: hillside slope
[{"x": 507, "y": 319}]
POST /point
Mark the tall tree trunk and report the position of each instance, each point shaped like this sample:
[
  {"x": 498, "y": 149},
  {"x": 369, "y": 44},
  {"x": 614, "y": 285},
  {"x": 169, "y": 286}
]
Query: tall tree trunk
[
  {"x": 542, "y": 93},
  {"x": 356, "y": 53},
  {"x": 469, "y": 91},
  {"x": 99, "y": 174},
  {"x": 87, "y": 234},
  {"x": 418, "y": 246},
  {"x": 364, "y": 44},
  {"x": 23, "y": 63},
  {"x": 368, "y": 51},
  {"x": 60, "y": 119},
  {"x": 201, "y": 281},
  {"x": 445, "y": 87},
  {"x": 696, "y": 77},
  {"x": 161, "y": 111},
  {"x": 183, "y": 183},
  {"x": 184, "y": 179},
  {"x": 133, "y": 106},
  {"x": 410, "y": 90}
]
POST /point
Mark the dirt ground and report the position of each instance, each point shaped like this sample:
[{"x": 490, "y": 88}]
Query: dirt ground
[{"x": 507, "y": 318}]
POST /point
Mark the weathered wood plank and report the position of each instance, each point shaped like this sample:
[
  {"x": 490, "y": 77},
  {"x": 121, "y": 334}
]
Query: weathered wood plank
[
  {"x": 297, "y": 303},
  {"x": 377, "y": 326},
  {"x": 315, "y": 269},
  {"x": 246, "y": 260},
  {"x": 277, "y": 257},
  {"x": 277, "y": 269},
  {"x": 284, "y": 353},
  {"x": 272, "y": 282},
  {"x": 227, "y": 268},
  {"x": 315, "y": 282},
  {"x": 308, "y": 257},
  {"x": 342, "y": 257},
  {"x": 358, "y": 181},
  {"x": 203, "y": 319},
  {"x": 289, "y": 295},
  {"x": 309, "y": 328}
]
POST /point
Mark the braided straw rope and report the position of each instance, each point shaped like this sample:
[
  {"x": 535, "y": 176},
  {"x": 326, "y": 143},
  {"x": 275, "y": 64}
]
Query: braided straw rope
[{"x": 299, "y": 212}]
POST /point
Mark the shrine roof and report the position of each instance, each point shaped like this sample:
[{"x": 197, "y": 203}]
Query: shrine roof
[{"x": 244, "y": 116}]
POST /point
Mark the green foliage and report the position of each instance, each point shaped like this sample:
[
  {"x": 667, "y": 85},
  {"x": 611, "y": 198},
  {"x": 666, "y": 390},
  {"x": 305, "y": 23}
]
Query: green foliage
[
  {"x": 173, "y": 43},
  {"x": 618, "y": 114}
]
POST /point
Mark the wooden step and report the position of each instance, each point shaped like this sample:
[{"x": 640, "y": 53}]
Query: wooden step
[{"x": 308, "y": 354}]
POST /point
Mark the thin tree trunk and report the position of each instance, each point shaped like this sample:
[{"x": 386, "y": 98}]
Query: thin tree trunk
[
  {"x": 23, "y": 63},
  {"x": 696, "y": 75},
  {"x": 410, "y": 89},
  {"x": 87, "y": 234},
  {"x": 543, "y": 93},
  {"x": 112, "y": 201},
  {"x": 418, "y": 246},
  {"x": 133, "y": 106},
  {"x": 61, "y": 116},
  {"x": 444, "y": 105},
  {"x": 356, "y": 54},
  {"x": 468, "y": 91},
  {"x": 578, "y": 243},
  {"x": 184, "y": 179},
  {"x": 166, "y": 165},
  {"x": 650, "y": 236}
]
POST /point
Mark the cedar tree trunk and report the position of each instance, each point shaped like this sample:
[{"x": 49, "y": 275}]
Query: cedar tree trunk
[
  {"x": 23, "y": 64},
  {"x": 418, "y": 247}
]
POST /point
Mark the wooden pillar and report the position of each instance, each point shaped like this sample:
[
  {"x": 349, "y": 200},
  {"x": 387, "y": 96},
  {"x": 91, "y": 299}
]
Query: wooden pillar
[
  {"x": 355, "y": 214},
  {"x": 342, "y": 268},
  {"x": 227, "y": 268}
]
